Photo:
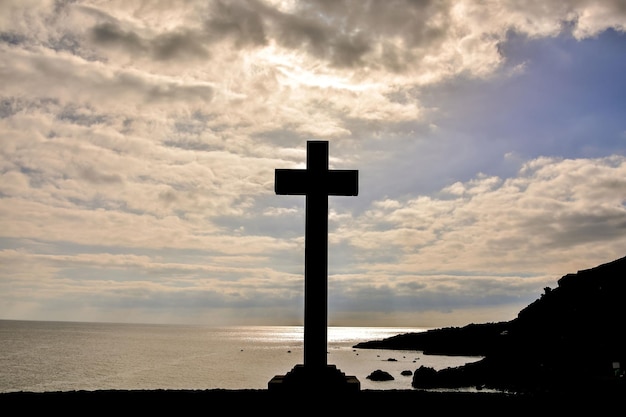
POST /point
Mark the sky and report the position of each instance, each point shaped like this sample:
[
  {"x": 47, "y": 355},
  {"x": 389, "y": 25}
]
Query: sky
[{"x": 139, "y": 139}]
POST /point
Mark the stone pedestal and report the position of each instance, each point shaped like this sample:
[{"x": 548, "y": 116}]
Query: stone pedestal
[{"x": 301, "y": 379}]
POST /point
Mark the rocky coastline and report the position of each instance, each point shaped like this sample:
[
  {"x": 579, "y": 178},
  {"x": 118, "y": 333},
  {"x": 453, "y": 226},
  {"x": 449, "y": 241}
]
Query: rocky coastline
[{"x": 570, "y": 339}]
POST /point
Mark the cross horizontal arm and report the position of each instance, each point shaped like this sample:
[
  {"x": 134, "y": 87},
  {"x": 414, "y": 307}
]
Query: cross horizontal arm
[
  {"x": 342, "y": 182},
  {"x": 303, "y": 182},
  {"x": 291, "y": 182}
]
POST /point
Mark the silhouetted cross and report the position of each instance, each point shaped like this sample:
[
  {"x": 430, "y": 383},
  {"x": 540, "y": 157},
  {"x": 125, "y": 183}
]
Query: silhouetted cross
[{"x": 316, "y": 182}]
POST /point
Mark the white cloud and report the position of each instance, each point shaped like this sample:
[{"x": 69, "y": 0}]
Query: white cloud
[{"x": 555, "y": 216}]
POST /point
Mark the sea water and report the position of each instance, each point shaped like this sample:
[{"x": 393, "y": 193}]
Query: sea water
[{"x": 43, "y": 356}]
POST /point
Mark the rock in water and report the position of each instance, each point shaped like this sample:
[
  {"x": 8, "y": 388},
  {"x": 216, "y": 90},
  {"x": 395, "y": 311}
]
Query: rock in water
[{"x": 379, "y": 375}]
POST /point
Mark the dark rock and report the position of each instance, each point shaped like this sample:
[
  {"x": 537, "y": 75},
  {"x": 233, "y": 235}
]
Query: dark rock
[
  {"x": 406, "y": 373},
  {"x": 379, "y": 375},
  {"x": 424, "y": 377}
]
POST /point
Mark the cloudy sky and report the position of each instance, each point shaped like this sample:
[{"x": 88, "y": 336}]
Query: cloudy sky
[{"x": 138, "y": 142}]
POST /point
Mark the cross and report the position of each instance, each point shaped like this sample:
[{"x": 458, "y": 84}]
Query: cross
[{"x": 316, "y": 182}]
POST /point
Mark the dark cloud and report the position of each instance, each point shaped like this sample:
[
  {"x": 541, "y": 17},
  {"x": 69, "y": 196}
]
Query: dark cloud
[
  {"x": 111, "y": 34},
  {"x": 341, "y": 33},
  {"x": 571, "y": 229},
  {"x": 169, "y": 196},
  {"x": 163, "y": 47},
  {"x": 82, "y": 117},
  {"x": 344, "y": 32},
  {"x": 10, "y": 106},
  {"x": 193, "y": 145},
  {"x": 155, "y": 91},
  {"x": 322, "y": 40},
  {"x": 240, "y": 21},
  {"x": 178, "y": 45},
  {"x": 10, "y": 38}
]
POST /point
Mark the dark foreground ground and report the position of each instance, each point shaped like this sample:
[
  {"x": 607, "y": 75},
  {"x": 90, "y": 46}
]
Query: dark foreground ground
[{"x": 260, "y": 402}]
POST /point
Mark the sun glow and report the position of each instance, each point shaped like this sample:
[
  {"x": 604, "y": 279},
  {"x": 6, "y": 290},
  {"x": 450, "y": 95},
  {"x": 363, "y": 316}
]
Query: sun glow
[{"x": 297, "y": 71}]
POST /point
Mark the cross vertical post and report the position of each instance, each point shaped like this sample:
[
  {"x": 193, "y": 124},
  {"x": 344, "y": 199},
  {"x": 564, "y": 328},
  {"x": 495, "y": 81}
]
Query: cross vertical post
[
  {"x": 316, "y": 261},
  {"x": 317, "y": 182}
]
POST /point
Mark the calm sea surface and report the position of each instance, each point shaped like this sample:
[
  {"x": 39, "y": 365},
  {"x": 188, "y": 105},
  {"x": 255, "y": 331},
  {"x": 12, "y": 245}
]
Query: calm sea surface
[{"x": 65, "y": 356}]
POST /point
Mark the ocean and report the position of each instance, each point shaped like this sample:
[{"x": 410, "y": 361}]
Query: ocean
[{"x": 40, "y": 356}]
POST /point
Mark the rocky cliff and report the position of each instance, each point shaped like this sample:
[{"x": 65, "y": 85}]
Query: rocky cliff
[{"x": 570, "y": 337}]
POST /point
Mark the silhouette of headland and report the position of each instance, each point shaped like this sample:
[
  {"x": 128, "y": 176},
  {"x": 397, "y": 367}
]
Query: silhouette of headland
[{"x": 569, "y": 340}]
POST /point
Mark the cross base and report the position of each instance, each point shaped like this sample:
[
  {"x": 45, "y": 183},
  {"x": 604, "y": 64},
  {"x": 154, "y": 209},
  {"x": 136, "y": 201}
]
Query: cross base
[{"x": 302, "y": 378}]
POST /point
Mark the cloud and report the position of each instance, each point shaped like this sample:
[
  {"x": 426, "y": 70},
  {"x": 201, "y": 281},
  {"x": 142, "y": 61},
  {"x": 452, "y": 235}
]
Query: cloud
[
  {"x": 165, "y": 47},
  {"x": 491, "y": 244},
  {"x": 595, "y": 17},
  {"x": 556, "y": 215},
  {"x": 241, "y": 59},
  {"x": 138, "y": 142},
  {"x": 72, "y": 79}
]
